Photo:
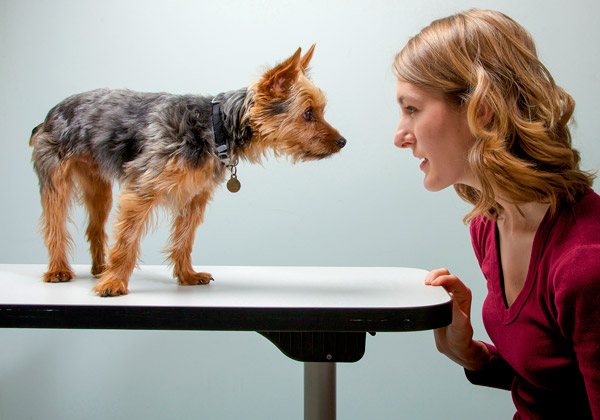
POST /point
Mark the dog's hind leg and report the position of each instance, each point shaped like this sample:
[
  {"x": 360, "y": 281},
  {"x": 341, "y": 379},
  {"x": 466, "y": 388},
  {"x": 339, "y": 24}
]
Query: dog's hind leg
[
  {"x": 182, "y": 240},
  {"x": 97, "y": 197},
  {"x": 56, "y": 201},
  {"x": 134, "y": 213}
]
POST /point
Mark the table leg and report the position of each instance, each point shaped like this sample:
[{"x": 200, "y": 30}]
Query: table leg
[{"x": 319, "y": 391}]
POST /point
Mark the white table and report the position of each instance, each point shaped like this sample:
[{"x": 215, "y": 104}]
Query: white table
[{"x": 317, "y": 315}]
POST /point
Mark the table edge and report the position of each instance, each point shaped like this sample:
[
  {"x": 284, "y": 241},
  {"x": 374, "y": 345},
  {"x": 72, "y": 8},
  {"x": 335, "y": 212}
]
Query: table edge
[{"x": 383, "y": 319}]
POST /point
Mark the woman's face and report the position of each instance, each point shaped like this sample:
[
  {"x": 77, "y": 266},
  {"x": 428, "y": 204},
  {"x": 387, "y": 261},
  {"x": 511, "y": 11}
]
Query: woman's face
[{"x": 437, "y": 133}]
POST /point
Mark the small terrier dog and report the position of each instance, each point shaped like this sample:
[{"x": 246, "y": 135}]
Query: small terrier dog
[{"x": 165, "y": 149}]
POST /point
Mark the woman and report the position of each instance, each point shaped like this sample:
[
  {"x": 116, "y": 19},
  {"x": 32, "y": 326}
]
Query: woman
[{"x": 483, "y": 114}]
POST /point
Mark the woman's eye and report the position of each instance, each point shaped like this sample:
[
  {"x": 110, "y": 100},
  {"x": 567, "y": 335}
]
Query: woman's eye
[
  {"x": 410, "y": 110},
  {"x": 309, "y": 115}
]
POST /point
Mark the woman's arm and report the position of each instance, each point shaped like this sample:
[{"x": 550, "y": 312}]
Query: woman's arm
[
  {"x": 483, "y": 365},
  {"x": 456, "y": 340}
]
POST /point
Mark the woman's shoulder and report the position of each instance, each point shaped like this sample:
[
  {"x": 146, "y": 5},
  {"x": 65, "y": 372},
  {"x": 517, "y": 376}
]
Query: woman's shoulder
[
  {"x": 482, "y": 235},
  {"x": 481, "y": 227},
  {"x": 581, "y": 223},
  {"x": 586, "y": 214},
  {"x": 576, "y": 245},
  {"x": 480, "y": 224}
]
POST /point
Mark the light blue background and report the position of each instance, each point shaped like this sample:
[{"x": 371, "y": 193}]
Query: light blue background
[{"x": 364, "y": 207}]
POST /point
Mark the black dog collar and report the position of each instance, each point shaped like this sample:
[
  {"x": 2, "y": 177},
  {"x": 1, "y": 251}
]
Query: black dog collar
[
  {"x": 220, "y": 140},
  {"x": 224, "y": 150}
]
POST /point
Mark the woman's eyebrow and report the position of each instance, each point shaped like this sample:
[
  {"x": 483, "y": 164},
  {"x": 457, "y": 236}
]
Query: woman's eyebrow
[{"x": 403, "y": 99}]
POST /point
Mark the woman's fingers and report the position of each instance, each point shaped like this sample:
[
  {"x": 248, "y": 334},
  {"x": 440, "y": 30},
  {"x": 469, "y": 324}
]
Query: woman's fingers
[
  {"x": 433, "y": 274},
  {"x": 453, "y": 285}
]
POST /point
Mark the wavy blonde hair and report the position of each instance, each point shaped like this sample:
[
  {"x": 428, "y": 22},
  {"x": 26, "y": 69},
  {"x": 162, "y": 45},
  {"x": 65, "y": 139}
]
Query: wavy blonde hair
[{"x": 524, "y": 153}]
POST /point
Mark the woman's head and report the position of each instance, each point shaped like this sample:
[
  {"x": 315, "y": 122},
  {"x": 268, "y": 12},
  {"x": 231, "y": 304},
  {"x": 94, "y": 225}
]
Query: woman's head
[{"x": 483, "y": 60}]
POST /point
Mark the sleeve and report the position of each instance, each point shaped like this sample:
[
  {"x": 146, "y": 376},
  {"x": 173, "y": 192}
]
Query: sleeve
[
  {"x": 577, "y": 303},
  {"x": 499, "y": 374}
]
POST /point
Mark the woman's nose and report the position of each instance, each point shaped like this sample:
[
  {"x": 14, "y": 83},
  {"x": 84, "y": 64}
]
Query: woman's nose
[{"x": 403, "y": 138}]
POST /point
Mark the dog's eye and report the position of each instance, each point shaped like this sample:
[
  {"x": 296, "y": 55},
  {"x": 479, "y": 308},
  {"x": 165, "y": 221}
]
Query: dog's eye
[{"x": 309, "y": 115}]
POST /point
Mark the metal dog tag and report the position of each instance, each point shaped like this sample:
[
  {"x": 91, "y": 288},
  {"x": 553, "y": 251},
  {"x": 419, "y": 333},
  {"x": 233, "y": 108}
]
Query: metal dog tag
[{"x": 233, "y": 185}]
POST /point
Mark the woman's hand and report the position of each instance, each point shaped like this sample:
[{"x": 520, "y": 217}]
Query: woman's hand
[{"x": 456, "y": 340}]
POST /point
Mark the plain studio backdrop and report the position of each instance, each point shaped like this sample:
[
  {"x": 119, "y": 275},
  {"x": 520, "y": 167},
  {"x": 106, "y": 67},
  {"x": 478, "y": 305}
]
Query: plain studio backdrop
[{"x": 363, "y": 207}]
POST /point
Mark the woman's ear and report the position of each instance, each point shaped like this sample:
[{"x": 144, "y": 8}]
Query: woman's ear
[{"x": 485, "y": 113}]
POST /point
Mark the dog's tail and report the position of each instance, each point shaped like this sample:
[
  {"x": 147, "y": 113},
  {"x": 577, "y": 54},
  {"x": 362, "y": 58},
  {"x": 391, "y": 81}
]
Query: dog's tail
[{"x": 33, "y": 133}]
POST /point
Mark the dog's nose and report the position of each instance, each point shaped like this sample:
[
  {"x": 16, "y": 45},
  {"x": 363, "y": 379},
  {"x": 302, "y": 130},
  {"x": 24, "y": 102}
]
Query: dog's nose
[{"x": 341, "y": 142}]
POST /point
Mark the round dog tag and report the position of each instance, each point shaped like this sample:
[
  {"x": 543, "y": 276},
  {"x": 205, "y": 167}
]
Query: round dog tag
[{"x": 233, "y": 185}]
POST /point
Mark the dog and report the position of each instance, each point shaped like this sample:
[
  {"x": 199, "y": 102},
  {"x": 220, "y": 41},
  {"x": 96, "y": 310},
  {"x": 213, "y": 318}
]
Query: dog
[{"x": 165, "y": 150}]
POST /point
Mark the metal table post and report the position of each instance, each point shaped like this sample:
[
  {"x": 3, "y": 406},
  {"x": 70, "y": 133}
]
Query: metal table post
[{"x": 319, "y": 391}]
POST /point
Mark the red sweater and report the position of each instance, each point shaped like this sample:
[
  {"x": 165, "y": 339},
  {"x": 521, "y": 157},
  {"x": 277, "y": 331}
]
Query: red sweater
[{"x": 547, "y": 343}]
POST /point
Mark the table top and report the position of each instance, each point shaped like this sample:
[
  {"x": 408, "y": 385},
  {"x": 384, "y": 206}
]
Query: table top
[{"x": 241, "y": 298}]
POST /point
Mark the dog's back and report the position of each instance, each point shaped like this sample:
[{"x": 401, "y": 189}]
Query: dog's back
[{"x": 114, "y": 128}]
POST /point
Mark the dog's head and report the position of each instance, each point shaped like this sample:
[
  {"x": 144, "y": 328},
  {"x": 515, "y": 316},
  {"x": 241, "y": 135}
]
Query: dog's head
[{"x": 288, "y": 113}]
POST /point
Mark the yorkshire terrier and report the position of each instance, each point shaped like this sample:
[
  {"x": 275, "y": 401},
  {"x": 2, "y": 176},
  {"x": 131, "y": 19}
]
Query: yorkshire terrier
[{"x": 165, "y": 149}]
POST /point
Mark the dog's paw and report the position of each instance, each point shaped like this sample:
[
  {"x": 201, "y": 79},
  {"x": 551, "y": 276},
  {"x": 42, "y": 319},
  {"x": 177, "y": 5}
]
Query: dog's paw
[
  {"x": 98, "y": 269},
  {"x": 110, "y": 288},
  {"x": 58, "y": 276},
  {"x": 192, "y": 279}
]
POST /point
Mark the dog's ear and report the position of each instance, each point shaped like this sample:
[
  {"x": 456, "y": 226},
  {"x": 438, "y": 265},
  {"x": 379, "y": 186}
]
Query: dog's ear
[
  {"x": 306, "y": 59},
  {"x": 277, "y": 81}
]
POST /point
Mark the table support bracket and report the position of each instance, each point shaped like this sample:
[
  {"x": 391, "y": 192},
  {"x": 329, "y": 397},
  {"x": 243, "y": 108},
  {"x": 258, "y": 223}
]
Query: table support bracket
[{"x": 345, "y": 347}]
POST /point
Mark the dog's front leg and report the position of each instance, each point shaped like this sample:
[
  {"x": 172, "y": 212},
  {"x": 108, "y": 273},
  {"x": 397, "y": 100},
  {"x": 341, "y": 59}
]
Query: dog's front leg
[
  {"x": 182, "y": 240},
  {"x": 134, "y": 213}
]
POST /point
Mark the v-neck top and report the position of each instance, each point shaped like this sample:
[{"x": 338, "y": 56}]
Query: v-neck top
[{"x": 546, "y": 345}]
